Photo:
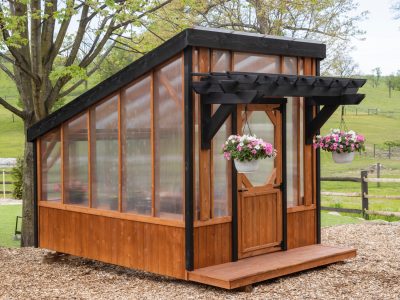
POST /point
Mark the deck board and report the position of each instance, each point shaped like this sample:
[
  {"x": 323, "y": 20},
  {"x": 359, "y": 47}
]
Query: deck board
[{"x": 259, "y": 268}]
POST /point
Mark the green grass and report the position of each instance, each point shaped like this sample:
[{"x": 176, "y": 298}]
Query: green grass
[
  {"x": 328, "y": 219},
  {"x": 8, "y": 215}
]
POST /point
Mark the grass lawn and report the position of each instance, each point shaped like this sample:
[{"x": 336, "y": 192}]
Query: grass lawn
[
  {"x": 328, "y": 219},
  {"x": 8, "y": 215}
]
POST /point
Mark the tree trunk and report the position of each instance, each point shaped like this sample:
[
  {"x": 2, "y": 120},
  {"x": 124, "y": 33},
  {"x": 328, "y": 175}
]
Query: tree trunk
[{"x": 27, "y": 238}]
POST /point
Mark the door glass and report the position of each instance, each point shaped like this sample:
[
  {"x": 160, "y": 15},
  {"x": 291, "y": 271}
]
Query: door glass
[{"x": 262, "y": 127}]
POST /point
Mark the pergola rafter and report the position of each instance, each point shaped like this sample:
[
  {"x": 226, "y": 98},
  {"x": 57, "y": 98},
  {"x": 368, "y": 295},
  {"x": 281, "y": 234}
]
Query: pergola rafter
[{"x": 230, "y": 88}]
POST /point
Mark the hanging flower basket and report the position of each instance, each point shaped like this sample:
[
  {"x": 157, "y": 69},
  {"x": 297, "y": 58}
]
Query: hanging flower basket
[
  {"x": 246, "y": 151},
  {"x": 342, "y": 144}
]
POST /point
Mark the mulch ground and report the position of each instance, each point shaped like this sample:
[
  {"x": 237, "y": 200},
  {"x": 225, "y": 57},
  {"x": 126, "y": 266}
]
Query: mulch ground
[{"x": 373, "y": 274}]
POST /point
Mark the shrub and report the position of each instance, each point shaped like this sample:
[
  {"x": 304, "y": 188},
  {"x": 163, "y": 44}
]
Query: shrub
[{"x": 17, "y": 173}]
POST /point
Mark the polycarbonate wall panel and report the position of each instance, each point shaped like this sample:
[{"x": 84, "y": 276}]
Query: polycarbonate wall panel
[
  {"x": 76, "y": 172},
  {"x": 222, "y": 169},
  {"x": 50, "y": 158},
  {"x": 104, "y": 154},
  {"x": 220, "y": 61},
  {"x": 294, "y": 141},
  {"x": 168, "y": 129},
  {"x": 245, "y": 62},
  {"x": 136, "y": 147}
]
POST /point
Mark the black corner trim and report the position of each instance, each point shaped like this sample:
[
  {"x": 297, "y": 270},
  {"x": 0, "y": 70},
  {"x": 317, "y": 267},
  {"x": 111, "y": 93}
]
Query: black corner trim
[{"x": 189, "y": 153}]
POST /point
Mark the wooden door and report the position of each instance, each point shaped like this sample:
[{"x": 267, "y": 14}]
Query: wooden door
[{"x": 259, "y": 193}]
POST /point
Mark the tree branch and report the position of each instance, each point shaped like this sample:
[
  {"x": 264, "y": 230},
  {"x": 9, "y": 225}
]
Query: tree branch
[
  {"x": 8, "y": 72},
  {"x": 11, "y": 108}
]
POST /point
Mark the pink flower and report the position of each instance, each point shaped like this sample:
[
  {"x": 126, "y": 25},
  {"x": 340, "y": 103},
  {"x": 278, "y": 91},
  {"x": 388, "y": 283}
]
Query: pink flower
[
  {"x": 227, "y": 155},
  {"x": 254, "y": 151},
  {"x": 239, "y": 148}
]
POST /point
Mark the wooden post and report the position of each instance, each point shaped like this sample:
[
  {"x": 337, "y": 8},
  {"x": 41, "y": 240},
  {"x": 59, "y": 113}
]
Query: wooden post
[
  {"x": 4, "y": 184},
  {"x": 364, "y": 194},
  {"x": 378, "y": 173}
]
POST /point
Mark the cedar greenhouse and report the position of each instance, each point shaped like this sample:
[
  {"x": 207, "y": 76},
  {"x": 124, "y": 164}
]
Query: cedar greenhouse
[{"x": 131, "y": 172}]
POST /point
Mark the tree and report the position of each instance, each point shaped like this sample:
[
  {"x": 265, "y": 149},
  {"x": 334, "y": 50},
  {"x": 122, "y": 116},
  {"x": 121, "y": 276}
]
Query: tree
[
  {"x": 341, "y": 64},
  {"x": 396, "y": 9},
  {"x": 330, "y": 21},
  {"x": 376, "y": 73},
  {"x": 50, "y": 47}
]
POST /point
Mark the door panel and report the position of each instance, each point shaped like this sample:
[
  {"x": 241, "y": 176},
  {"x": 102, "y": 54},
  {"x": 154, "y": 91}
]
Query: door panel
[
  {"x": 259, "y": 197},
  {"x": 260, "y": 228}
]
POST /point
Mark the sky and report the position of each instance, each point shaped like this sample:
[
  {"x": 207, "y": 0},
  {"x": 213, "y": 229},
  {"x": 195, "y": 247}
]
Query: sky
[{"x": 381, "y": 47}]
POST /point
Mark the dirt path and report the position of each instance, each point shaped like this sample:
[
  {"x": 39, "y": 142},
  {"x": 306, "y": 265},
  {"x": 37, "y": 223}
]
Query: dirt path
[{"x": 374, "y": 274}]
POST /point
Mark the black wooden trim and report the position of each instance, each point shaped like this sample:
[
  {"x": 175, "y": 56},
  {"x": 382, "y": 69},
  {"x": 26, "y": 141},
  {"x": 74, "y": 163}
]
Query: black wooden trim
[
  {"x": 35, "y": 197},
  {"x": 235, "y": 232},
  {"x": 318, "y": 173},
  {"x": 284, "y": 178},
  {"x": 189, "y": 152},
  {"x": 318, "y": 121},
  {"x": 341, "y": 100},
  {"x": 197, "y": 37},
  {"x": 257, "y": 43}
]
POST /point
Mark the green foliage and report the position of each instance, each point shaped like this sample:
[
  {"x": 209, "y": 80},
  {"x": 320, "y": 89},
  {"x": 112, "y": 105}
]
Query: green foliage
[
  {"x": 73, "y": 71},
  {"x": 17, "y": 175},
  {"x": 376, "y": 77},
  {"x": 392, "y": 143}
]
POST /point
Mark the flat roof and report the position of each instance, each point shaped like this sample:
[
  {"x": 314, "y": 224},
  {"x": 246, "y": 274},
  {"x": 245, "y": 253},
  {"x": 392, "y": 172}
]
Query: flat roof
[{"x": 196, "y": 37}]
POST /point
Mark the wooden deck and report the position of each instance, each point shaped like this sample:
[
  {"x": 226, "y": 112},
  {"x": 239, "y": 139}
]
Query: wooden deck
[{"x": 259, "y": 268}]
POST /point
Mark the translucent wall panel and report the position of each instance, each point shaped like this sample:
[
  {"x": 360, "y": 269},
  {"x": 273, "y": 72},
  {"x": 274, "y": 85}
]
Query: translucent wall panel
[
  {"x": 76, "y": 161},
  {"x": 220, "y": 61},
  {"x": 292, "y": 152},
  {"x": 245, "y": 62},
  {"x": 262, "y": 127},
  {"x": 136, "y": 148},
  {"x": 290, "y": 65},
  {"x": 169, "y": 155},
  {"x": 50, "y": 157},
  {"x": 301, "y": 136},
  {"x": 104, "y": 154},
  {"x": 222, "y": 169},
  {"x": 294, "y": 138}
]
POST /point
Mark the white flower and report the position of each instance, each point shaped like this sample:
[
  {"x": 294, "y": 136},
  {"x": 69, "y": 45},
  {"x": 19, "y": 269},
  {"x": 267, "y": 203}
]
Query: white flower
[
  {"x": 257, "y": 147},
  {"x": 241, "y": 144}
]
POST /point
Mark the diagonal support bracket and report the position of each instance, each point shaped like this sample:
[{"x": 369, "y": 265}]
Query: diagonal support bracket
[
  {"x": 313, "y": 124},
  {"x": 211, "y": 124}
]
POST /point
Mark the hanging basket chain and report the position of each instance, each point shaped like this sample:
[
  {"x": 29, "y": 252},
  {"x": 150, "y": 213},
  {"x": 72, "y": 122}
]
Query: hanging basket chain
[
  {"x": 246, "y": 122},
  {"x": 343, "y": 126}
]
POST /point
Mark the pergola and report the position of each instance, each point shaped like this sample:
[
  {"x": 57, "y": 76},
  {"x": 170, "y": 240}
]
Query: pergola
[{"x": 231, "y": 88}]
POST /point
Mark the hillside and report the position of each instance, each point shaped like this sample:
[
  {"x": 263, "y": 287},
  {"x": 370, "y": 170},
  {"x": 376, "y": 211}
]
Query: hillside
[{"x": 377, "y": 128}]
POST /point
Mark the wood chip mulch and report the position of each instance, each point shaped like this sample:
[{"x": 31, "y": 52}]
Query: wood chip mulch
[{"x": 373, "y": 274}]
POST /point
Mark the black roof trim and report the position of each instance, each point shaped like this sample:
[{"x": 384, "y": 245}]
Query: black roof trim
[{"x": 198, "y": 37}]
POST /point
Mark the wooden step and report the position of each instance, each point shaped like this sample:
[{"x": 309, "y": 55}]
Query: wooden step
[{"x": 259, "y": 268}]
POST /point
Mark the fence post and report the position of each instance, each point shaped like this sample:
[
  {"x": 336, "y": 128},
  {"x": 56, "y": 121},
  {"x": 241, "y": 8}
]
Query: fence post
[
  {"x": 378, "y": 173},
  {"x": 4, "y": 184},
  {"x": 364, "y": 193},
  {"x": 374, "y": 150}
]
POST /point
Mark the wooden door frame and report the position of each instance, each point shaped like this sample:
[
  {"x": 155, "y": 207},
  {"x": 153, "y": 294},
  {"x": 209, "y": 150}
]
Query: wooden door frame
[{"x": 283, "y": 186}]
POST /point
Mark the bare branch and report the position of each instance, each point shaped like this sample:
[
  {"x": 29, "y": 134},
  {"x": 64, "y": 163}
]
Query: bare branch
[
  {"x": 8, "y": 72},
  {"x": 127, "y": 22},
  {"x": 91, "y": 72},
  {"x": 11, "y": 108}
]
